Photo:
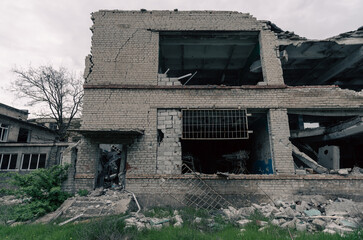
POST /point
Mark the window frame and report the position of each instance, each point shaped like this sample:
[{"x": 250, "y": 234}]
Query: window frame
[
  {"x": 4, "y": 132},
  {"x": 30, "y": 159},
  {"x": 10, "y": 158},
  {"x": 217, "y": 129}
]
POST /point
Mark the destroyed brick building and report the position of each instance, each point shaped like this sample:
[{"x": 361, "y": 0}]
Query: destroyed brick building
[{"x": 219, "y": 92}]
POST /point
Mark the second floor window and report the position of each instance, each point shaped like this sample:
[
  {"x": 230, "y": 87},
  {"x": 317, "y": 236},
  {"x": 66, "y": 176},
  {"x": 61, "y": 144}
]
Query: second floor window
[{"x": 4, "y": 130}]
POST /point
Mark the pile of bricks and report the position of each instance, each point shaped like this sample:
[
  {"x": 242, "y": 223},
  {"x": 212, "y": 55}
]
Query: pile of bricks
[{"x": 163, "y": 80}]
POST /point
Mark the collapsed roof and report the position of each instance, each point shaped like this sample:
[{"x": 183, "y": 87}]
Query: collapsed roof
[{"x": 334, "y": 61}]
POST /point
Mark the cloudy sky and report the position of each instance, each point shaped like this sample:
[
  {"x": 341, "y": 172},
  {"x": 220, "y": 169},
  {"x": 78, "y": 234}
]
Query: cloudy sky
[{"x": 38, "y": 32}]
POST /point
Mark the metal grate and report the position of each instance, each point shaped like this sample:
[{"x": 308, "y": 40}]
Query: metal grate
[
  {"x": 195, "y": 191},
  {"x": 215, "y": 124}
]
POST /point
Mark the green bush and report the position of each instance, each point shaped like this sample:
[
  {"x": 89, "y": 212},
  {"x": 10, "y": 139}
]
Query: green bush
[
  {"x": 82, "y": 192},
  {"x": 40, "y": 191}
]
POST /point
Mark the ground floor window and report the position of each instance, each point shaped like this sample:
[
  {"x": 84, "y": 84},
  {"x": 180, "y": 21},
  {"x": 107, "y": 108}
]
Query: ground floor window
[
  {"x": 222, "y": 140},
  {"x": 8, "y": 161},
  {"x": 33, "y": 161}
]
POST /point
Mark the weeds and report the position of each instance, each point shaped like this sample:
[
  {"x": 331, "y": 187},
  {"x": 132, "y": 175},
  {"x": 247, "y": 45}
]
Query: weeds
[
  {"x": 212, "y": 226},
  {"x": 40, "y": 191}
]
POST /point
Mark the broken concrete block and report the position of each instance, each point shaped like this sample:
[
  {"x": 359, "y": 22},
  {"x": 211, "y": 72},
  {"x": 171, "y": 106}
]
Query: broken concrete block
[
  {"x": 312, "y": 212},
  {"x": 289, "y": 224},
  {"x": 243, "y": 222},
  {"x": 300, "y": 172},
  {"x": 275, "y": 222},
  {"x": 261, "y": 223},
  {"x": 330, "y": 231},
  {"x": 349, "y": 224},
  {"x": 343, "y": 172},
  {"x": 301, "y": 226},
  {"x": 319, "y": 223}
]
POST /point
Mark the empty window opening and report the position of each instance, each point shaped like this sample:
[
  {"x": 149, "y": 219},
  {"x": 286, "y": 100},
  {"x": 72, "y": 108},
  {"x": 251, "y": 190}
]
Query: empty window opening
[
  {"x": 336, "y": 143},
  {"x": 33, "y": 161},
  {"x": 8, "y": 161},
  {"x": 215, "y": 124},
  {"x": 4, "y": 130},
  {"x": 210, "y": 58},
  {"x": 247, "y": 153},
  {"x": 24, "y": 135}
]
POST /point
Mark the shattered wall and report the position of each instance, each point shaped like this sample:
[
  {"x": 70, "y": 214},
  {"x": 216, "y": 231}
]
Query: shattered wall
[{"x": 169, "y": 150}]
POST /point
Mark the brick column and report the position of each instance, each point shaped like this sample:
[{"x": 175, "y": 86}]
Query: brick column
[
  {"x": 86, "y": 165},
  {"x": 281, "y": 148},
  {"x": 270, "y": 61}
]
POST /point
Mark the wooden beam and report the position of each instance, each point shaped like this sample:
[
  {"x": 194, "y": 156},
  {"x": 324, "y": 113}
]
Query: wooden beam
[{"x": 341, "y": 66}]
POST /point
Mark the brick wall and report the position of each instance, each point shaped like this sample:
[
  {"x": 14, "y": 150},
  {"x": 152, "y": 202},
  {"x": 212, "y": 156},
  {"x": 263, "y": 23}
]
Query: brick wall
[
  {"x": 244, "y": 189},
  {"x": 169, "y": 153},
  {"x": 125, "y": 43}
]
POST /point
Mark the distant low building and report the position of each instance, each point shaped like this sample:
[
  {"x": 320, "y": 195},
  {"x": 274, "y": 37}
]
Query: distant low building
[{"x": 25, "y": 146}]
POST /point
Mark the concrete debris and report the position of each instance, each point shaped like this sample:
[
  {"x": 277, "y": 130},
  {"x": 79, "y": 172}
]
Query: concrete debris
[
  {"x": 343, "y": 172},
  {"x": 140, "y": 221},
  {"x": 308, "y": 161},
  {"x": 98, "y": 203},
  {"x": 243, "y": 222},
  {"x": 312, "y": 212},
  {"x": 317, "y": 214},
  {"x": 9, "y": 200}
]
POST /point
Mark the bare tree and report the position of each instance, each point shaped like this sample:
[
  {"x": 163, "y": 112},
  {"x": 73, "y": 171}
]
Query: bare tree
[{"x": 58, "y": 90}]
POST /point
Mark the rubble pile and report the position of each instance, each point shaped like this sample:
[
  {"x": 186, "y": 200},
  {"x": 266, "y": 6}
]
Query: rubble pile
[
  {"x": 141, "y": 222},
  {"x": 100, "y": 202},
  {"x": 318, "y": 214}
]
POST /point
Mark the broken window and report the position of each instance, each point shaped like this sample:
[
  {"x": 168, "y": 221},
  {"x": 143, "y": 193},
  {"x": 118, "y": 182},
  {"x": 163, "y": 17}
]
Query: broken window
[
  {"x": 209, "y": 58},
  {"x": 8, "y": 161},
  {"x": 4, "y": 129},
  {"x": 33, "y": 161},
  {"x": 24, "y": 135},
  {"x": 218, "y": 140},
  {"x": 335, "y": 142},
  {"x": 215, "y": 124}
]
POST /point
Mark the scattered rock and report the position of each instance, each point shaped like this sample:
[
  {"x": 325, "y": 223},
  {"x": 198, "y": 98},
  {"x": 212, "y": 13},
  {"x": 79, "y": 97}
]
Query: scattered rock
[
  {"x": 301, "y": 226},
  {"x": 319, "y": 223},
  {"x": 312, "y": 212},
  {"x": 343, "y": 171},
  {"x": 243, "y": 222},
  {"x": 329, "y": 231}
]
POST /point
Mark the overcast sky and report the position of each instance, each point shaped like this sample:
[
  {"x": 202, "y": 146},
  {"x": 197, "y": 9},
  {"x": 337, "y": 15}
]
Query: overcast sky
[{"x": 39, "y": 32}]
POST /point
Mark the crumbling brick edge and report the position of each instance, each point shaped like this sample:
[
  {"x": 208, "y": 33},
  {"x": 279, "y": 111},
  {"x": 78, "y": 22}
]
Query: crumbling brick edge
[{"x": 247, "y": 177}]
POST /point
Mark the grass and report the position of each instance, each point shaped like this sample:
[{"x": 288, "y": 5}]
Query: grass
[{"x": 212, "y": 226}]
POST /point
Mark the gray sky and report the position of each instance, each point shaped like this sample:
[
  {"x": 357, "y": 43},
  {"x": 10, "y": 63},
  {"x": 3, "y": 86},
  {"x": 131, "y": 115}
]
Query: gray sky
[{"x": 39, "y": 32}]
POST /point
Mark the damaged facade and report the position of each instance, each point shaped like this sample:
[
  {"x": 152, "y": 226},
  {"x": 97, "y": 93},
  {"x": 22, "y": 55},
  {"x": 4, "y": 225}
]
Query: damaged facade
[
  {"x": 218, "y": 92},
  {"x": 25, "y": 146}
]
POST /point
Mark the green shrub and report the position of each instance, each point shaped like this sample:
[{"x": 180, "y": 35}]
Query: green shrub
[
  {"x": 40, "y": 191},
  {"x": 82, "y": 192}
]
